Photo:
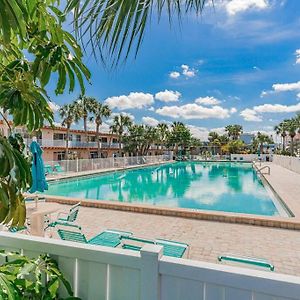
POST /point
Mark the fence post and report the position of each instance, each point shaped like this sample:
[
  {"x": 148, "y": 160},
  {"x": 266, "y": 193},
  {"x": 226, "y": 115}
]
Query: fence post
[
  {"x": 150, "y": 281},
  {"x": 77, "y": 162}
]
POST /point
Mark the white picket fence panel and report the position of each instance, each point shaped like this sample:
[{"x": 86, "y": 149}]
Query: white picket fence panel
[
  {"x": 288, "y": 162},
  {"x": 101, "y": 273}
]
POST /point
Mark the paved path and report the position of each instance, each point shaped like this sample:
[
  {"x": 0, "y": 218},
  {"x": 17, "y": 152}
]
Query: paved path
[
  {"x": 207, "y": 239},
  {"x": 286, "y": 183}
]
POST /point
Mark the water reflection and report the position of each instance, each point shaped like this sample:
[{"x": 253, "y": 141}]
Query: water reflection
[{"x": 230, "y": 187}]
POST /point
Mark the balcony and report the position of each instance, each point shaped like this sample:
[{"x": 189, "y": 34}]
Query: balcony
[{"x": 72, "y": 144}]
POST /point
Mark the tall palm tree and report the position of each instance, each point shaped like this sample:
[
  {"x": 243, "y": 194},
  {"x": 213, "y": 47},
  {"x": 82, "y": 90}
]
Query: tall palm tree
[
  {"x": 292, "y": 127},
  {"x": 99, "y": 112},
  {"x": 281, "y": 129},
  {"x": 85, "y": 105},
  {"x": 120, "y": 124},
  {"x": 163, "y": 133},
  {"x": 234, "y": 131},
  {"x": 261, "y": 139},
  {"x": 68, "y": 114}
]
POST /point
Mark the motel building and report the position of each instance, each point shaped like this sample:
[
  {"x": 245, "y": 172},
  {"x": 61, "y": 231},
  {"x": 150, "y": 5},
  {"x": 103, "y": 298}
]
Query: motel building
[{"x": 53, "y": 142}]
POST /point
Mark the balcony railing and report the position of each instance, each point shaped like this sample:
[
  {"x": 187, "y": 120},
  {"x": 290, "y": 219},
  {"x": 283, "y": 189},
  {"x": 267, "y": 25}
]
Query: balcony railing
[
  {"x": 72, "y": 144},
  {"x": 97, "y": 272}
]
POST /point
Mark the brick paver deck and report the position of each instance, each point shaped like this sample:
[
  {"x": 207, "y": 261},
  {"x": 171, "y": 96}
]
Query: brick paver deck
[{"x": 207, "y": 239}]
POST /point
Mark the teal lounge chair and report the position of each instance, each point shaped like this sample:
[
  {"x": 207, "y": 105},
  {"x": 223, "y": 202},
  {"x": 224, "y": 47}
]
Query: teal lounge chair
[
  {"x": 170, "y": 248},
  {"x": 58, "y": 168},
  {"x": 48, "y": 169},
  {"x": 16, "y": 229},
  {"x": 108, "y": 238},
  {"x": 257, "y": 262},
  {"x": 70, "y": 217}
]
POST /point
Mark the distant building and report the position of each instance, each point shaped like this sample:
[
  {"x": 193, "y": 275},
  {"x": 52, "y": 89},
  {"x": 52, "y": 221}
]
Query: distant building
[{"x": 247, "y": 138}]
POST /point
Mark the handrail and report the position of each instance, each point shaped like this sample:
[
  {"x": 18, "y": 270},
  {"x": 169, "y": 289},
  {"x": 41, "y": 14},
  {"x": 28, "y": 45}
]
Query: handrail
[
  {"x": 264, "y": 167},
  {"x": 247, "y": 260}
]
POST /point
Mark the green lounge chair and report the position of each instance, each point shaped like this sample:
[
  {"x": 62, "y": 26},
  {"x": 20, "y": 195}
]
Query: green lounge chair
[
  {"x": 58, "y": 168},
  {"x": 108, "y": 238},
  {"x": 48, "y": 169},
  {"x": 170, "y": 248},
  {"x": 247, "y": 260},
  {"x": 16, "y": 229},
  {"x": 70, "y": 217}
]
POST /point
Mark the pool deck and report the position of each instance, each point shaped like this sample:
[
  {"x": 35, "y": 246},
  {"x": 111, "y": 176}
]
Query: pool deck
[{"x": 207, "y": 239}]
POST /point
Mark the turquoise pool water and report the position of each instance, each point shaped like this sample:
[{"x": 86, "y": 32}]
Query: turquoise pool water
[{"x": 230, "y": 187}]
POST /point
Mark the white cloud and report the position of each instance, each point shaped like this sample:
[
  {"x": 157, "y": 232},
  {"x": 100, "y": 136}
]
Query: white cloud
[
  {"x": 168, "y": 96},
  {"x": 207, "y": 101},
  {"x": 103, "y": 128},
  {"x": 297, "y": 53},
  {"x": 133, "y": 100},
  {"x": 202, "y": 132},
  {"x": 150, "y": 121},
  {"x": 283, "y": 87},
  {"x": 250, "y": 115},
  {"x": 194, "y": 111},
  {"x": 151, "y": 108},
  {"x": 234, "y": 7},
  {"x": 54, "y": 106},
  {"x": 187, "y": 71},
  {"x": 174, "y": 74},
  {"x": 254, "y": 114}
]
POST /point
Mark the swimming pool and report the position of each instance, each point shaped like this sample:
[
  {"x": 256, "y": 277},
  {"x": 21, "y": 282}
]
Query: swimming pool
[{"x": 218, "y": 186}]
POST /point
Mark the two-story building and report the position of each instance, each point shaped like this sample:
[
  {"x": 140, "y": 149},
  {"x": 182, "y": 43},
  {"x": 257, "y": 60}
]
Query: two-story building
[{"x": 53, "y": 142}]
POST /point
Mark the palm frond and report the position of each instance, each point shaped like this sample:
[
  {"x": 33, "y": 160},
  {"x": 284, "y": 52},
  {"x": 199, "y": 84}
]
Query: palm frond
[{"x": 117, "y": 27}]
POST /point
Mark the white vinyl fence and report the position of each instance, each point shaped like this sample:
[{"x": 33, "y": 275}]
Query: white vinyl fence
[
  {"x": 289, "y": 162},
  {"x": 101, "y": 273},
  {"x": 82, "y": 165}
]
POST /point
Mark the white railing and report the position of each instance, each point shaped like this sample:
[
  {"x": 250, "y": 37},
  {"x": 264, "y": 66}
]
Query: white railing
[
  {"x": 288, "y": 162},
  {"x": 251, "y": 157},
  {"x": 103, "y": 273},
  {"x": 83, "y": 165},
  {"x": 72, "y": 144}
]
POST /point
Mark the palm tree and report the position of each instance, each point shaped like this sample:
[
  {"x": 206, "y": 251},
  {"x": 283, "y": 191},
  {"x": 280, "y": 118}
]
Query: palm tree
[
  {"x": 118, "y": 26},
  {"x": 291, "y": 127},
  {"x": 100, "y": 111},
  {"x": 85, "y": 105},
  {"x": 262, "y": 139},
  {"x": 69, "y": 116},
  {"x": 281, "y": 129},
  {"x": 120, "y": 124},
  {"x": 234, "y": 131},
  {"x": 163, "y": 133}
]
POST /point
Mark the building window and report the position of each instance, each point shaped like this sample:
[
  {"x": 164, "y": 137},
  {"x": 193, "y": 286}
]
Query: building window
[
  {"x": 61, "y": 155},
  {"x": 78, "y": 138},
  {"x": 104, "y": 140},
  {"x": 61, "y": 137},
  {"x": 92, "y": 138},
  {"x": 93, "y": 154},
  {"x": 115, "y": 141}
]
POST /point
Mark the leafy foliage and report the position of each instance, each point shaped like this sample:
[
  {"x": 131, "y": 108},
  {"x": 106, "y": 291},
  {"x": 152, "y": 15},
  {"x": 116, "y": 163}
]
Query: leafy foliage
[
  {"x": 115, "y": 27},
  {"x": 33, "y": 47},
  {"x": 31, "y": 278}
]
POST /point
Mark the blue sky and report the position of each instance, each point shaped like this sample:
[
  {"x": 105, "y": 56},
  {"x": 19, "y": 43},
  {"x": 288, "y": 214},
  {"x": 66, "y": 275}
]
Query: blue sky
[{"x": 237, "y": 63}]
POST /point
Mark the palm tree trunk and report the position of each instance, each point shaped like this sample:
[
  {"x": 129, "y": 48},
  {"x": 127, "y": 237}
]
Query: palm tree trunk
[
  {"x": 119, "y": 137},
  {"x": 67, "y": 142},
  {"x": 283, "y": 143},
  {"x": 97, "y": 137},
  {"x": 86, "y": 134}
]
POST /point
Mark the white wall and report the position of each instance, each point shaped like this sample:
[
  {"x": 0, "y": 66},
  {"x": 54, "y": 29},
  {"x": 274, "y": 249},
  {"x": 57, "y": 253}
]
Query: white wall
[
  {"x": 249, "y": 157},
  {"x": 289, "y": 162},
  {"x": 101, "y": 273}
]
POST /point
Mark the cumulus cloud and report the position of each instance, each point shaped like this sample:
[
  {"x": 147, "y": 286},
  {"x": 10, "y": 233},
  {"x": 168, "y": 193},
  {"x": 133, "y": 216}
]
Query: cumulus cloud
[
  {"x": 202, "y": 132},
  {"x": 187, "y": 71},
  {"x": 54, "y": 106},
  {"x": 103, "y": 128},
  {"x": 255, "y": 113},
  {"x": 283, "y": 87},
  {"x": 168, "y": 96},
  {"x": 297, "y": 56},
  {"x": 234, "y": 7},
  {"x": 174, "y": 75},
  {"x": 250, "y": 115},
  {"x": 194, "y": 111},
  {"x": 207, "y": 101},
  {"x": 133, "y": 100},
  {"x": 150, "y": 121}
]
